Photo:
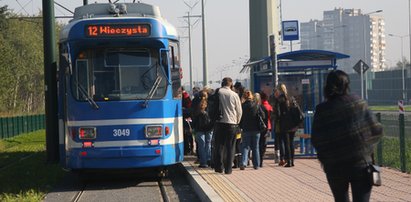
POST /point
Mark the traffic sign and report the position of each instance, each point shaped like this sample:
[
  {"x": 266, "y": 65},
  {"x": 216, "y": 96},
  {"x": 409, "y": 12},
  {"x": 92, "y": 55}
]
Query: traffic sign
[
  {"x": 290, "y": 30},
  {"x": 360, "y": 64}
]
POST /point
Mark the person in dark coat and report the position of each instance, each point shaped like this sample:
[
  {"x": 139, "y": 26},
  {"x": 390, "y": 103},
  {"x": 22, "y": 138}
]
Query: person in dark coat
[
  {"x": 251, "y": 131},
  {"x": 202, "y": 126},
  {"x": 187, "y": 130},
  {"x": 287, "y": 128},
  {"x": 344, "y": 133}
]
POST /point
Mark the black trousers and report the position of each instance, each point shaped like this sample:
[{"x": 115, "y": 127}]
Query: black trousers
[
  {"x": 340, "y": 178},
  {"x": 263, "y": 145},
  {"x": 224, "y": 146},
  {"x": 289, "y": 145}
]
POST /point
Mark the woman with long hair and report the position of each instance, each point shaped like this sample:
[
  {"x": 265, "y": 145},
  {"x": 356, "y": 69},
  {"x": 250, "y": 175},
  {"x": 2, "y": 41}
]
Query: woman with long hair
[
  {"x": 287, "y": 126},
  {"x": 203, "y": 126},
  {"x": 251, "y": 131}
]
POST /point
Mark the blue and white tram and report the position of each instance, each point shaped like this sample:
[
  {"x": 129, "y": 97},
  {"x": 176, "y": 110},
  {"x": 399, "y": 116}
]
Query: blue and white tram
[{"x": 119, "y": 89}]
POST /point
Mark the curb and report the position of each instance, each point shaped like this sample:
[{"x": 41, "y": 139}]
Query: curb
[{"x": 203, "y": 190}]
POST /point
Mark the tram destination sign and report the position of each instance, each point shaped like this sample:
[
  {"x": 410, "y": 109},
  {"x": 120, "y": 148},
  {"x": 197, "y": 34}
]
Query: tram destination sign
[{"x": 117, "y": 30}]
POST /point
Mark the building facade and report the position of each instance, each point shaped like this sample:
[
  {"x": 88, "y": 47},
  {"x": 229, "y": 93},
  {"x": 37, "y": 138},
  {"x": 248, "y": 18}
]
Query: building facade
[{"x": 348, "y": 31}]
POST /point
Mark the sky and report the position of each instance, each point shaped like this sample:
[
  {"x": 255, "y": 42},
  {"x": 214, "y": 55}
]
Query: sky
[{"x": 227, "y": 22}]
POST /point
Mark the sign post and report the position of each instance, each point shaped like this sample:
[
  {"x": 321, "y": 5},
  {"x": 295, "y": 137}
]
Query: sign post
[
  {"x": 290, "y": 31},
  {"x": 361, "y": 67}
]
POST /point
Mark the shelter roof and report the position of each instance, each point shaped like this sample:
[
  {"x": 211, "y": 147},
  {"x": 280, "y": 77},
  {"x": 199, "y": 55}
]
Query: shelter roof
[{"x": 306, "y": 55}]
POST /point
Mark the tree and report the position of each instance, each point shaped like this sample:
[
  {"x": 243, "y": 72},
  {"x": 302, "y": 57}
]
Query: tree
[
  {"x": 399, "y": 63},
  {"x": 21, "y": 64}
]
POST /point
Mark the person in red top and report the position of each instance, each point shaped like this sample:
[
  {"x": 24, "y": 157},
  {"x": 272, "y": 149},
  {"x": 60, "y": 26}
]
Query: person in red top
[
  {"x": 188, "y": 137},
  {"x": 265, "y": 134}
]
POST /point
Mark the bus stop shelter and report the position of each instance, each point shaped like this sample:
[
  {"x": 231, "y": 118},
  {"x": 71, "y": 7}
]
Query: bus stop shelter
[{"x": 304, "y": 73}]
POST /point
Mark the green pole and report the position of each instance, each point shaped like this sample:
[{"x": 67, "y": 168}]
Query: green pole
[
  {"x": 50, "y": 81},
  {"x": 402, "y": 143},
  {"x": 379, "y": 146}
]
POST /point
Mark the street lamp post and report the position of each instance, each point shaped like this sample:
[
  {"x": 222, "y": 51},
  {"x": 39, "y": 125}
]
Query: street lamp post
[
  {"x": 404, "y": 97},
  {"x": 365, "y": 56}
]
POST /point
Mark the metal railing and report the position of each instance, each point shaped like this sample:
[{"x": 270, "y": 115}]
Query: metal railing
[
  {"x": 394, "y": 150},
  {"x": 12, "y": 126}
]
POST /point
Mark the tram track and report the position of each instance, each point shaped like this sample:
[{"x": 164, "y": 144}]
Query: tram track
[
  {"x": 77, "y": 197},
  {"x": 131, "y": 185},
  {"x": 163, "y": 190}
]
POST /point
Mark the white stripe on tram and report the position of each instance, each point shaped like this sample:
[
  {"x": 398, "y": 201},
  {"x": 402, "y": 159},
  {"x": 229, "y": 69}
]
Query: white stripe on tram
[{"x": 110, "y": 122}]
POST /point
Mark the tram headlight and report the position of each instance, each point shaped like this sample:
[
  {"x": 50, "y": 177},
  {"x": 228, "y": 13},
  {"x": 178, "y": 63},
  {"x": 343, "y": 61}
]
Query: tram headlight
[
  {"x": 154, "y": 131},
  {"x": 87, "y": 133}
]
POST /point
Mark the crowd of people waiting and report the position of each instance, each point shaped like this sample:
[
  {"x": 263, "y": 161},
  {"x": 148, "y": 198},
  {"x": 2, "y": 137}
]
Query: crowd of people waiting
[
  {"x": 231, "y": 125},
  {"x": 231, "y": 121}
]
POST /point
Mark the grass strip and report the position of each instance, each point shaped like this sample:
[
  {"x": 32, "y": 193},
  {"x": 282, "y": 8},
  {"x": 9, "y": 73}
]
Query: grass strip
[{"x": 25, "y": 175}]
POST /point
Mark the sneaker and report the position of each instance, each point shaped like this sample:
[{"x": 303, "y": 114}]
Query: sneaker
[
  {"x": 276, "y": 157},
  {"x": 242, "y": 167},
  {"x": 203, "y": 166},
  {"x": 281, "y": 163}
]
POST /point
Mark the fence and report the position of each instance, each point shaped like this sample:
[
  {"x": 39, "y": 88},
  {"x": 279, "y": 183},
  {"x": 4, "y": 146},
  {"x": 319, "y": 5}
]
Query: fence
[
  {"x": 12, "y": 126},
  {"x": 395, "y": 148}
]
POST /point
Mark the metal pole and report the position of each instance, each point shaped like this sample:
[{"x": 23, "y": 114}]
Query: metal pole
[
  {"x": 403, "y": 69},
  {"x": 50, "y": 81},
  {"x": 205, "y": 78},
  {"x": 190, "y": 58},
  {"x": 409, "y": 37},
  {"x": 402, "y": 143},
  {"x": 85, "y": 2},
  {"x": 362, "y": 66},
  {"x": 380, "y": 144}
]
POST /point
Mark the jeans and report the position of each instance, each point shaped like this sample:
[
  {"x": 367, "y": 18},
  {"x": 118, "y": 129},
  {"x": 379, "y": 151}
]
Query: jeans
[
  {"x": 281, "y": 144},
  {"x": 251, "y": 139},
  {"x": 340, "y": 178},
  {"x": 203, "y": 140}
]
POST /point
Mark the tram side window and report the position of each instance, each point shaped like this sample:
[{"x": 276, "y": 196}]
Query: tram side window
[{"x": 175, "y": 69}]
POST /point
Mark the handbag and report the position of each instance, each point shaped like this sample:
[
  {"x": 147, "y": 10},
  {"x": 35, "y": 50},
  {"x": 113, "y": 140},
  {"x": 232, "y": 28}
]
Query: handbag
[
  {"x": 261, "y": 123},
  {"x": 374, "y": 173}
]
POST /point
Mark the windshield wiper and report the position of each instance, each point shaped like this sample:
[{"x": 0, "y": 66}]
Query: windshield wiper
[
  {"x": 152, "y": 91},
  {"x": 88, "y": 98}
]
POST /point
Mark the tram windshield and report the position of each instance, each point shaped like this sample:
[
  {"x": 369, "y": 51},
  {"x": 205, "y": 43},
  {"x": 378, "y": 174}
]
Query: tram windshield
[{"x": 118, "y": 74}]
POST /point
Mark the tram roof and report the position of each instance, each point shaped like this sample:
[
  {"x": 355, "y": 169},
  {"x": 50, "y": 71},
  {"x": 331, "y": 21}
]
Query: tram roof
[{"x": 307, "y": 55}]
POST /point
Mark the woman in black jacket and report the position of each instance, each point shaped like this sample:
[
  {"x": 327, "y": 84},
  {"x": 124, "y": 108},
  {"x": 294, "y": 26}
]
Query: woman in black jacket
[
  {"x": 287, "y": 126},
  {"x": 344, "y": 133},
  {"x": 251, "y": 130},
  {"x": 203, "y": 126}
]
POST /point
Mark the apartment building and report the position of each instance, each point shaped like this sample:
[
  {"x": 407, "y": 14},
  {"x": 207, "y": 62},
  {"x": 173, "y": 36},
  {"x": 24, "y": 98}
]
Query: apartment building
[{"x": 348, "y": 31}]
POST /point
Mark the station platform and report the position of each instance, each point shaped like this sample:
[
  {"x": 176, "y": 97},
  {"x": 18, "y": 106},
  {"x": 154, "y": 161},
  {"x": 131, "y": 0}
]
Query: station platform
[{"x": 305, "y": 181}]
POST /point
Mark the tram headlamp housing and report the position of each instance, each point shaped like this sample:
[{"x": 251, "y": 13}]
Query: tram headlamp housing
[
  {"x": 87, "y": 133},
  {"x": 153, "y": 131}
]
